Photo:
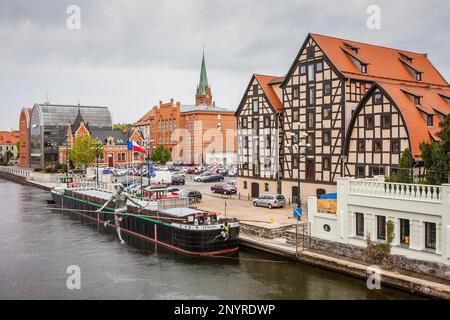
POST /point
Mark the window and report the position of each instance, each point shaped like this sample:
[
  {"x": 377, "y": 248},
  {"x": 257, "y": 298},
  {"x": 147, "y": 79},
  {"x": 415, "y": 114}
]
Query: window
[
  {"x": 268, "y": 141},
  {"x": 368, "y": 122},
  {"x": 377, "y": 171},
  {"x": 404, "y": 231},
  {"x": 310, "y": 53},
  {"x": 295, "y": 162},
  {"x": 381, "y": 227},
  {"x": 267, "y": 121},
  {"x": 363, "y": 68},
  {"x": 245, "y": 184},
  {"x": 255, "y": 105},
  {"x": 359, "y": 224},
  {"x": 267, "y": 163},
  {"x": 311, "y": 72},
  {"x": 295, "y": 93},
  {"x": 377, "y": 98},
  {"x": 310, "y": 142},
  {"x": 377, "y": 146},
  {"x": 311, "y": 97},
  {"x": 395, "y": 145},
  {"x": 327, "y": 112},
  {"x": 360, "y": 171},
  {"x": 416, "y": 100},
  {"x": 326, "y": 163},
  {"x": 327, "y": 88},
  {"x": 319, "y": 66},
  {"x": 303, "y": 69},
  {"x": 326, "y": 137},
  {"x": 295, "y": 138},
  {"x": 429, "y": 120},
  {"x": 255, "y": 123},
  {"x": 418, "y": 76},
  {"x": 244, "y": 122},
  {"x": 361, "y": 145},
  {"x": 266, "y": 187},
  {"x": 245, "y": 142},
  {"x": 385, "y": 121},
  {"x": 295, "y": 115},
  {"x": 255, "y": 89},
  {"x": 310, "y": 120},
  {"x": 430, "y": 235}
]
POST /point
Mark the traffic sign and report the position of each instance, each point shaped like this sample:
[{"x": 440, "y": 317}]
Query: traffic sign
[{"x": 298, "y": 212}]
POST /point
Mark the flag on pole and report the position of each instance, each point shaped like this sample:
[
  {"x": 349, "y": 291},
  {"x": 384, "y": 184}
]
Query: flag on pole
[
  {"x": 152, "y": 172},
  {"x": 134, "y": 146}
]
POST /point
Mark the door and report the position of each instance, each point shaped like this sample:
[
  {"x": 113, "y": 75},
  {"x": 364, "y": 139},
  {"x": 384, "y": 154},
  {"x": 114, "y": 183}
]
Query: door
[
  {"x": 110, "y": 160},
  {"x": 255, "y": 190},
  {"x": 310, "y": 170}
]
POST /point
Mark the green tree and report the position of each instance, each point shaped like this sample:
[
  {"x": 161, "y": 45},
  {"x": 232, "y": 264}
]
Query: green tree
[
  {"x": 84, "y": 151},
  {"x": 403, "y": 174},
  {"x": 436, "y": 155},
  {"x": 122, "y": 126},
  {"x": 161, "y": 154}
]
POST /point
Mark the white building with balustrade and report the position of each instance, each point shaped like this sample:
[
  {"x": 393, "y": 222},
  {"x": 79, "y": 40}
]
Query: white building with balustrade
[{"x": 420, "y": 214}]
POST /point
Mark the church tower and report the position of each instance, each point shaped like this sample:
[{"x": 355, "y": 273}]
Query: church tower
[{"x": 203, "y": 94}]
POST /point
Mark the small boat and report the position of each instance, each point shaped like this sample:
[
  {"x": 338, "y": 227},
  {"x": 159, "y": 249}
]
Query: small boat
[{"x": 169, "y": 222}]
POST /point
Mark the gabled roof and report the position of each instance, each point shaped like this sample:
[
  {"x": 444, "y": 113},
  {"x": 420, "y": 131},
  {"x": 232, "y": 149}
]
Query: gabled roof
[
  {"x": 9, "y": 137},
  {"x": 145, "y": 118},
  {"x": 384, "y": 63},
  {"x": 265, "y": 83},
  {"x": 415, "y": 122}
]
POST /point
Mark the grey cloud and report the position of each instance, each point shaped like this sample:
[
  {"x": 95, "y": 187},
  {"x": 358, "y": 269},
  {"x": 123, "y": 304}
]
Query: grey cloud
[{"x": 131, "y": 54}]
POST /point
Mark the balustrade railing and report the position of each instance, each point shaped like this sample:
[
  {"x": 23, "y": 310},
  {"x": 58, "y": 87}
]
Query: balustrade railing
[{"x": 396, "y": 190}]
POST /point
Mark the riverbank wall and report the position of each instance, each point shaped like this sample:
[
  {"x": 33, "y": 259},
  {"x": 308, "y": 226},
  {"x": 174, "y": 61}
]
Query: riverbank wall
[{"x": 418, "y": 277}]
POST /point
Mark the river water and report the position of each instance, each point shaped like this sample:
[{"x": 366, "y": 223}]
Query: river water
[{"x": 37, "y": 245}]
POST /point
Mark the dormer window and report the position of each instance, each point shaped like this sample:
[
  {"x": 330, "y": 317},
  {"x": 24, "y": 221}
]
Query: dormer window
[
  {"x": 416, "y": 100},
  {"x": 351, "y": 47},
  {"x": 407, "y": 58},
  {"x": 430, "y": 120},
  {"x": 363, "y": 68},
  {"x": 418, "y": 76}
]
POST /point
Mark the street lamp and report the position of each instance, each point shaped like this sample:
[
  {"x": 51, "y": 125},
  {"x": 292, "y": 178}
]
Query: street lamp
[
  {"x": 97, "y": 147},
  {"x": 300, "y": 139}
]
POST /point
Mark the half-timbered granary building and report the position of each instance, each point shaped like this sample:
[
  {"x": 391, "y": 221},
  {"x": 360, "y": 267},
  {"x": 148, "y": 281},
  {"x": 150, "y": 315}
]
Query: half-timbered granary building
[
  {"x": 259, "y": 131},
  {"x": 351, "y": 108}
]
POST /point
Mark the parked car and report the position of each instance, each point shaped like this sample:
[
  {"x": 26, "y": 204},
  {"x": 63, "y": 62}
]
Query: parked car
[
  {"x": 194, "y": 196},
  {"x": 176, "y": 180},
  {"x": 213, "y": 178},
  {"x": 190, "y": 170},
  {"x": 232, "y": 172},
  {"x": 223, "y": 189},
  {"x": 232, "y": 183},
  {"x": 270, "y": 201},
  {"x": 200, "y": 177}
]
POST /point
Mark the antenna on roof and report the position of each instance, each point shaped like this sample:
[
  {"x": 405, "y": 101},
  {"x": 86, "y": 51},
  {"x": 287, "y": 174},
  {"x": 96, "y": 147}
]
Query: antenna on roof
[{"x": 47, "y": 100}]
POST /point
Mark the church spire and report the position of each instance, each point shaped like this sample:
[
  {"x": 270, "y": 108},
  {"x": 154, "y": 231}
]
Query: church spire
[{"x": 203, "y": 93}]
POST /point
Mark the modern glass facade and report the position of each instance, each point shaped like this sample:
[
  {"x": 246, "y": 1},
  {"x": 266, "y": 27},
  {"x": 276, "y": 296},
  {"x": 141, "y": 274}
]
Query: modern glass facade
[{"x": 49, "y": 125}]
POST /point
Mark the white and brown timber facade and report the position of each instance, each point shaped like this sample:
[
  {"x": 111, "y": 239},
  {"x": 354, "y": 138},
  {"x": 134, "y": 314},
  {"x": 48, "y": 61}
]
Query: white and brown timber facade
[
  {"x": 340, "y": 93},
  {"x": 259, "y": 137}
]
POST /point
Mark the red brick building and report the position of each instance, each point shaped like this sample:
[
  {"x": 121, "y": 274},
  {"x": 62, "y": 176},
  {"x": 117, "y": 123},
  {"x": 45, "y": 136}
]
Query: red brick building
[
  {"x": 193, "y": 133},
  {"x": 24, "y": 137},
  {"x": 115, "y": 152}
]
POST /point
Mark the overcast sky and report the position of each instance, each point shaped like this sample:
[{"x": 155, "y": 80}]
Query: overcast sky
[{"x": 128, "y": 54}]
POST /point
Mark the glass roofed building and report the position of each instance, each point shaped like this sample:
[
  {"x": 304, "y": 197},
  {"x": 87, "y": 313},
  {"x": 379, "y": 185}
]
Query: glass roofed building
[{"x": 48, "y": 128}]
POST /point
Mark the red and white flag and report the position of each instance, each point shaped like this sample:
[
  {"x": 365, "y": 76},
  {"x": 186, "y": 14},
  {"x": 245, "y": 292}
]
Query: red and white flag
[{"x": 138, "y": 148}]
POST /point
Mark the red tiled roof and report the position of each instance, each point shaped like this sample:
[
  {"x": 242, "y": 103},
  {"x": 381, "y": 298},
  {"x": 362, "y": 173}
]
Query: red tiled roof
[
  {"x": 144, "y": 119},
  {"x": 8, "y": 137},
  {"x": 415, "y": 122},
  {"x": 384, "y": 63},
  {"x": 264, "y": 82}
]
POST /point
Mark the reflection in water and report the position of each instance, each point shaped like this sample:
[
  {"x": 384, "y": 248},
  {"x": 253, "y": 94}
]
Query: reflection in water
[{"x": 37, "y": 245}]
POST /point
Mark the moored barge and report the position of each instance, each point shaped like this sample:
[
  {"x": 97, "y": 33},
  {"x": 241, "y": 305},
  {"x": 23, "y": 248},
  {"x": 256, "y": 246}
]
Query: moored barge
[{"x": 187, "y": 230}]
